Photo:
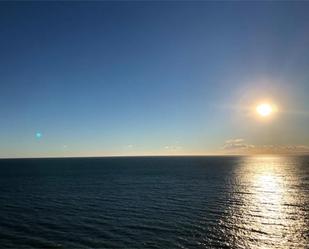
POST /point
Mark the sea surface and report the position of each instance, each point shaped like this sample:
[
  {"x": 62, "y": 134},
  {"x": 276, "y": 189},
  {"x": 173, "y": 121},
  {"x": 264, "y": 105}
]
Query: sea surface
[{"x": 155, "y": 202}]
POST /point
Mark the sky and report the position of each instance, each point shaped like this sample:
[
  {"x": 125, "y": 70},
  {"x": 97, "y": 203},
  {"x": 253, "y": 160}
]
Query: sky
[{"x": 153, "y": 78}]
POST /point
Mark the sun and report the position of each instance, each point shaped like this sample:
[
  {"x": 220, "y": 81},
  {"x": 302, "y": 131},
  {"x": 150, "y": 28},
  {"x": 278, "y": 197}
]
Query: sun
[{"x": 265, "y": 109}]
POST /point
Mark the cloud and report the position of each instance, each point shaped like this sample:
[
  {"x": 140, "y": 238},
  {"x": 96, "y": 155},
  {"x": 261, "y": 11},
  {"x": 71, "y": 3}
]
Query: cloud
[
  {"x": 173, "y": 147},
  {"x": 238, "y": 145},
  {"x": 303, "y": 149}
]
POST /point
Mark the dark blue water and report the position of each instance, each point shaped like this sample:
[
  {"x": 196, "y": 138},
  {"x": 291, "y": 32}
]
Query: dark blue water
[{"x": 162, "y": 202}]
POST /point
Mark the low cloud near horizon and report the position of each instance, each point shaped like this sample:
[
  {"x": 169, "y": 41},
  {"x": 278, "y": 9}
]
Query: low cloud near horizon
[{"x": 240, "y": 146}]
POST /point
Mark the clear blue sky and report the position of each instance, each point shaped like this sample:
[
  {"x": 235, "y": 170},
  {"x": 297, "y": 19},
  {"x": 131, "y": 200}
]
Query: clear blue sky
[{"x": 136, "y": 78}]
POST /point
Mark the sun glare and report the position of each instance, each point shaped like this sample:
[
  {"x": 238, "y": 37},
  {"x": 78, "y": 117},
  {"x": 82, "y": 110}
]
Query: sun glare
[{"x": 264, "y": 109}]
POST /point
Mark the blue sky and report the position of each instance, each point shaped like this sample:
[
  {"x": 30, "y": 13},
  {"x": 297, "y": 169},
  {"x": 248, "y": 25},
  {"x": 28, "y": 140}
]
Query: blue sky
[{"x": 144, "y": 78}]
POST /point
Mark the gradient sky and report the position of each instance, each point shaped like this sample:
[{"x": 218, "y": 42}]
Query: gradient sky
[{"x": 150, "y": 78}]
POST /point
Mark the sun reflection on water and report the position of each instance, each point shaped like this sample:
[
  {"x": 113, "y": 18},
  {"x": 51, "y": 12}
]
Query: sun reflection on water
[{"x": 267, "y": 210}]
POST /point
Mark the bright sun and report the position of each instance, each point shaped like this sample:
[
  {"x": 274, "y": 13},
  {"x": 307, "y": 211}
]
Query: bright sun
[{"x": 264, "y": 109}]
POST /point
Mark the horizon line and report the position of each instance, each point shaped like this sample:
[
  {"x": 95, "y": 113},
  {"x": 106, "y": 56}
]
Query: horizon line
[{"x": 141, "y": 156}]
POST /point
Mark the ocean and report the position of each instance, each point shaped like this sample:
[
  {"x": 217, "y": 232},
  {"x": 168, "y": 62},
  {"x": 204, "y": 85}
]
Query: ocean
[{"x": 155, "y": 202}]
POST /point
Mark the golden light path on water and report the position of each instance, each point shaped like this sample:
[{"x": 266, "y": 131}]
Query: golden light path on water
[{"x": 269, "y": 204}]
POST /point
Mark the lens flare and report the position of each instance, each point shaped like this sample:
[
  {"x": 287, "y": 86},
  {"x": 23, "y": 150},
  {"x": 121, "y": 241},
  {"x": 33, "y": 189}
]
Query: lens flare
[{"x": 38, "y": 135}]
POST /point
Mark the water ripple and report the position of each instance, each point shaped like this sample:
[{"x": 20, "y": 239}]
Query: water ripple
[{"x": 185, "y": 202}]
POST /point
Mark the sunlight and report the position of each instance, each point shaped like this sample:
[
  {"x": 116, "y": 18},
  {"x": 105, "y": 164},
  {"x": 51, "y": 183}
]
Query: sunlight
[
  {"x": 265, "y": 109},
  {"x": 262, "y": 194}
]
